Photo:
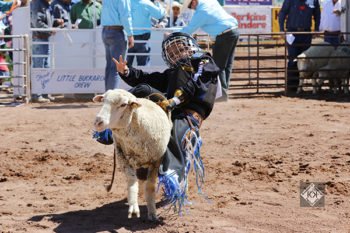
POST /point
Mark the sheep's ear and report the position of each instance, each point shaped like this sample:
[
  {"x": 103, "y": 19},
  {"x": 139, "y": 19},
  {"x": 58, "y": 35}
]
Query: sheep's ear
[
  {"x": 134, "y": 104},
  {"x": 98, "y": 99}
]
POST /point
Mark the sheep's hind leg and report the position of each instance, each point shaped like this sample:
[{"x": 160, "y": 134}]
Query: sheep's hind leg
[
  {"x": 314, "y": 86},
  {"x": 300, "y": 87},
  {"x": 150, "y": 192},
  {"x": 133, "y": 189}
]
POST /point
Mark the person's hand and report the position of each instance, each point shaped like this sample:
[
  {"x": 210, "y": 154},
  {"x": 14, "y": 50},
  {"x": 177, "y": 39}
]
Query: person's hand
[
  {"x": 60, "y": 22},
  {"x": 282, "y": 37},
  {"x": 130, "y": 41},
  {"x": 121, "y": 65},
  {"x": 167, "y": 105}
]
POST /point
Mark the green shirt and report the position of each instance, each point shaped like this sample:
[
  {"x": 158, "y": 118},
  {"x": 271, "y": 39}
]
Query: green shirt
[{"x": 87, "y": 13}]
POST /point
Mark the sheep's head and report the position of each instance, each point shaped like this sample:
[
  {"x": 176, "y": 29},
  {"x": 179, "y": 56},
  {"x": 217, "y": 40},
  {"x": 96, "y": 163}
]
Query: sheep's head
[
  {"x": 117, "y": 109},
  {"x": 305, "y": 66}
]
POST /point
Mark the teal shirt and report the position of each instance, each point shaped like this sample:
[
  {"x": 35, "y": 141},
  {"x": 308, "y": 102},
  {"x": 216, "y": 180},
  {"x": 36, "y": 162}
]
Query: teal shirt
[
  {"x": 142, "y": 11},
  {"x": 117, "y": 12},
  {"x": 5, "y": 6},
  {"x": 211, "y": 17},
  {"x": 87, "y": 13}
]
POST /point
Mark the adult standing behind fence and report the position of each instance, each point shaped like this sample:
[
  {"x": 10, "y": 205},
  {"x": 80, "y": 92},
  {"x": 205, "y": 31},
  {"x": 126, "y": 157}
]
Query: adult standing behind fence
[
  {"x": 86, "y": 14},
  {"x": 117, "y": 24},
  {"x": 330, "y": 21},
  {"x": 41, "y": 18},
  {"x": 177, "y": 19},
  {"x": 142, "y": 12},
  {"x": 60, "y": 13},
  {"x": 211, "y": 17},
  {"x": 299, "y": 15}
]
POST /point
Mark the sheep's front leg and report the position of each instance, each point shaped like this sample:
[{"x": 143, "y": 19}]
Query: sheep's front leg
[
  {"x": 345, "y": 85},
  {"x": 150, "y": 192},
  {"x": 300, "y": 87},
  {"x": 314, "y": 86},
  {"x": 133, "y": 190},
  {"x": 319, "y": 83}
]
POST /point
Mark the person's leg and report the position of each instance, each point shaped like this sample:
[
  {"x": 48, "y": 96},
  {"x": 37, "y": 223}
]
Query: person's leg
[
  {"x": 115, "y": 45},
  {"x": 183, "y": 147},
  {"x": 301, "y": 43},
  {"x": 143, "y": 60},
  {"x": 40, "y": 50},
  {"x": 130, "y": 58},
  {"x": 292, "y": 69},
  {"x": 143, "y": 47},
  {"x": 43, "y": 61},
  {"x": 228, "y": 69},
  {"x": 223, "y": 50},
  {"x": 333, "y": 39},
  {"x": 145, "y": 90}
]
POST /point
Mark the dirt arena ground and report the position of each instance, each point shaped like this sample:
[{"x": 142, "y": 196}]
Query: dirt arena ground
[{"x": 256, "y": 153}]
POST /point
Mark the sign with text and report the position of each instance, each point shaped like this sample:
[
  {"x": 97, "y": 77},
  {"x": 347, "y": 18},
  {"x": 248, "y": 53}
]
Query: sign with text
[
  {"x": 64, "y": 81},
  {"x": 248, "y": 2},
  {"x": 252, "y": 20},
  {"x": 73, "y": 81}
]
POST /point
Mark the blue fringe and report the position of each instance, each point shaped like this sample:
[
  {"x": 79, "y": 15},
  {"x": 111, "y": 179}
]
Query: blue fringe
[{"x": 175, "y": 192}]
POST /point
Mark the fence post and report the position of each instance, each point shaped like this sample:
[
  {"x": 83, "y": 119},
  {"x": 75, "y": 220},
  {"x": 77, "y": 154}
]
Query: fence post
[{"x": 27, "y": 65}]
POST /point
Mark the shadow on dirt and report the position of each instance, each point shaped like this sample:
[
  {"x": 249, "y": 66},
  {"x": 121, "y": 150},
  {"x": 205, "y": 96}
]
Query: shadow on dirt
[
  {"x": 63, "y": 106},
  {"x": 107, "y": 218}
]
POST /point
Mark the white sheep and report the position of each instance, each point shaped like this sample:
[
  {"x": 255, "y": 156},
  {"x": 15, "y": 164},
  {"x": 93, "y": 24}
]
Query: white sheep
[
  {"x": 337, "y": 69},
  {"x": 141, "y": 132},
  {"x": 310, "y": 61}
]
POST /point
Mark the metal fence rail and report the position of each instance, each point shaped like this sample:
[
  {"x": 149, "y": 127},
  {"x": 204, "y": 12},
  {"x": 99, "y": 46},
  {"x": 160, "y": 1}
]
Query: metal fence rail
[
  {"x": 260, "y": 64},
  {"x": 16, "y": 86}
]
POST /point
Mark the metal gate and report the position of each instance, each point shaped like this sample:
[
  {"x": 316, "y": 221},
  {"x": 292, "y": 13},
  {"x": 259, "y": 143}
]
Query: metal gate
[
  {"x": 259, "y": 65},
  {"x": 15, "y": 87}
]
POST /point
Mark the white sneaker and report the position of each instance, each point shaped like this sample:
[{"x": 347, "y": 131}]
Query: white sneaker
[
  {"x": 40, "y": 99},
  {"x": 50, "y": 97}
]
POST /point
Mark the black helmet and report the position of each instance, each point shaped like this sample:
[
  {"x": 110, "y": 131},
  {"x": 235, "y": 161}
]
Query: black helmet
[{"x": 178, "y": 48}]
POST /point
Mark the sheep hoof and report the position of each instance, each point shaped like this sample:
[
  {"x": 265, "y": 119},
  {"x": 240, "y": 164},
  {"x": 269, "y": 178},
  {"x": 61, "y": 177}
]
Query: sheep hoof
[
  {"x": 153, "y": 217},
  {"x": 134, "y": 209}
]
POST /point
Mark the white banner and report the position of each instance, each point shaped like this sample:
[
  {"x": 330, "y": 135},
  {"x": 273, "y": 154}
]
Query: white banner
[
  {"x": 255, "y": 19},
  {"x": 71, "y": 81},
  {"x": 64, "y": 81}
]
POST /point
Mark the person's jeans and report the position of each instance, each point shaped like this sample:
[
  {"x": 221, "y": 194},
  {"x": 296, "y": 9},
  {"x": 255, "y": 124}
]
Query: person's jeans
[
  {"x": 40, "y": 62},
  {"x": 42, "y": 50},
  {"x": 115, "y": 45},
  {"x": 334, "y": 38},
  {"x": 223, "y": 55},
  {"x": 301, "y": 43},
  {"x": 140, "y": 48}
]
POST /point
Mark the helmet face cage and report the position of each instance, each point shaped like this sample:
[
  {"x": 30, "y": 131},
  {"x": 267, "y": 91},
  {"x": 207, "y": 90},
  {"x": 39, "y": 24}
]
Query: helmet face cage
[{"x": 178, "y": 49}]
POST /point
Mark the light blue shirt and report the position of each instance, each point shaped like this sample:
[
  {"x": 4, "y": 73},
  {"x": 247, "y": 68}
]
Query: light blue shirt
[
  {"x": 211, "y": 17},
  {"x": 117, "y": 12},
  {"x": 141, "y": 13},
  {"x": 5, "y": 6}
]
